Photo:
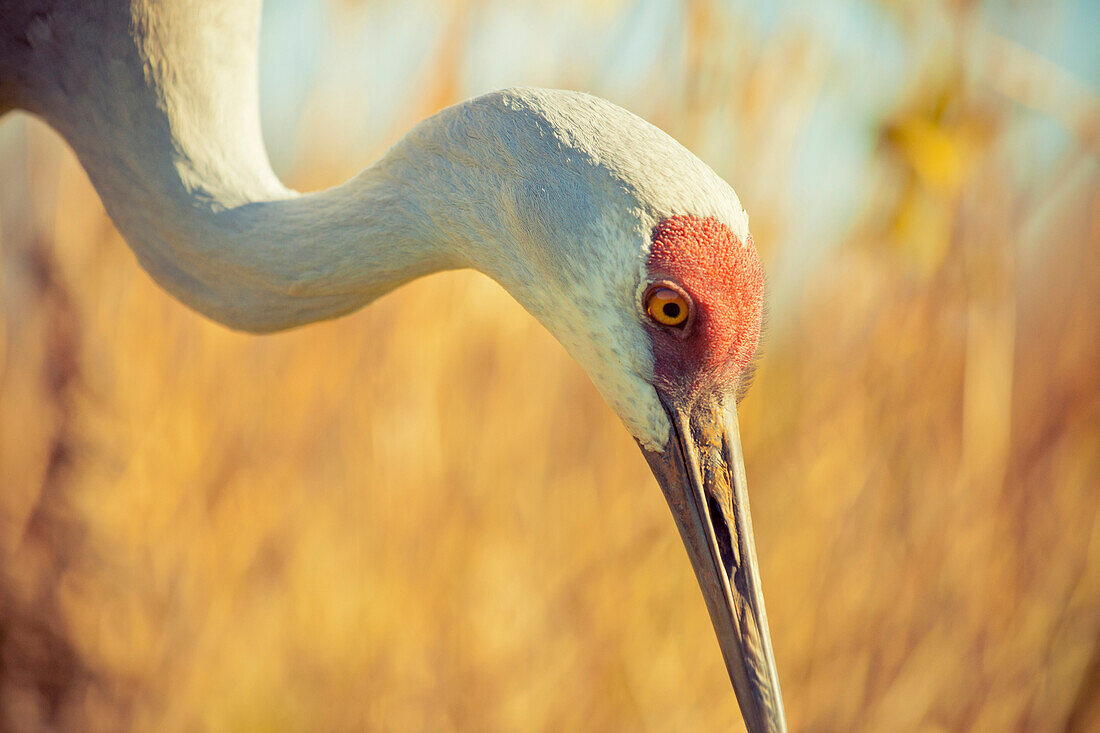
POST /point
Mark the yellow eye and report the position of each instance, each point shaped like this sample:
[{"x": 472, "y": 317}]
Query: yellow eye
[{"x": 666, "y": 306}]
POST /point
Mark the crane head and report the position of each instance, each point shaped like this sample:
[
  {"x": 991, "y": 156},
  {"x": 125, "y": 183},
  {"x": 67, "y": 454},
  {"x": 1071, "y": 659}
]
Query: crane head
[{"x": 638, "y": 258}]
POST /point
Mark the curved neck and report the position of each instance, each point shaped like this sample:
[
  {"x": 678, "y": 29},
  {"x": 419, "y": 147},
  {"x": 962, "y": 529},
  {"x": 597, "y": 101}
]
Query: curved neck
[
  {"x": 165, "y": 121},
  {"x": 553, "y": 194}
]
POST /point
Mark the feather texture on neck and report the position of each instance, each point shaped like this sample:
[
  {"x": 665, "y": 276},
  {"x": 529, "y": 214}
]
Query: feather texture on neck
[{"x": 553, "y": 194}]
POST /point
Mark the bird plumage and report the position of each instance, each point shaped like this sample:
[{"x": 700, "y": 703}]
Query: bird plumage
[{"x": 551, "y": 193}]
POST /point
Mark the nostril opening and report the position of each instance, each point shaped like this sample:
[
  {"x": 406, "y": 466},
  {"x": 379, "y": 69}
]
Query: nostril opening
[{"x": 722, "y": 534}]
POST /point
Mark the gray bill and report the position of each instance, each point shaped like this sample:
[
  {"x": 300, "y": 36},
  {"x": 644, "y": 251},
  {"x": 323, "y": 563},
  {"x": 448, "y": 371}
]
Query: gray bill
[{"x": 703, "y": 478}]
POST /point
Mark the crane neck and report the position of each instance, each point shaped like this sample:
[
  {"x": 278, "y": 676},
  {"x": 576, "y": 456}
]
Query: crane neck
[{"x": 162, "y": 111}]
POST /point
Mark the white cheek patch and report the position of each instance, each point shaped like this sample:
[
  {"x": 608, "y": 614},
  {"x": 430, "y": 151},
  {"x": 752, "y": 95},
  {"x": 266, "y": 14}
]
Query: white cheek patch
[
  {"x": 632, "y": 398},
  {"x": 595, "y": 319}
]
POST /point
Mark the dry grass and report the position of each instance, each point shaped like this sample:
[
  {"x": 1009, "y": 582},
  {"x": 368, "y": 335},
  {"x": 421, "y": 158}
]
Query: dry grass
[{"x": 423, "y": 517}]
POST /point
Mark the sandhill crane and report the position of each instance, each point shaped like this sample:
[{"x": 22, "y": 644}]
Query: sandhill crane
[{"x": 623, "y": 244}]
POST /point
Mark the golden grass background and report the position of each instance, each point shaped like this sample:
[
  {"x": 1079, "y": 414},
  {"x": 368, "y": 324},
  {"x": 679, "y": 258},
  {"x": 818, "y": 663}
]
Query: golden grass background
[{"x": 422, "y": 517}]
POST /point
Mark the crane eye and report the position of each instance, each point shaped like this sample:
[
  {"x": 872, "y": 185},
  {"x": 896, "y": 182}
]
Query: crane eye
[{"x": 666, "y": 306}]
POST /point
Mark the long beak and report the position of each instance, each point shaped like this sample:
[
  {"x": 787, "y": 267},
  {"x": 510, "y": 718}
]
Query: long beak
[{"x": 703, "y": 478}]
